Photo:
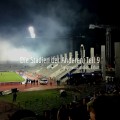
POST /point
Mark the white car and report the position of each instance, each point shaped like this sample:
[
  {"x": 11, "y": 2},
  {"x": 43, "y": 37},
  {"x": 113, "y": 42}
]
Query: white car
[{"x": 43, "y": 81}]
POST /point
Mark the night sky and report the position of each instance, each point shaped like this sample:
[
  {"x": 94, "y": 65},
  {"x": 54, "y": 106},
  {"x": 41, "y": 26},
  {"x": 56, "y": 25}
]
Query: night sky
[{"x": 59, "y": 26}]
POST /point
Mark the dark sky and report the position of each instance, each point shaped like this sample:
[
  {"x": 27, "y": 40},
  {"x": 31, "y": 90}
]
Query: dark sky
[{"x": 56, "y": 24}]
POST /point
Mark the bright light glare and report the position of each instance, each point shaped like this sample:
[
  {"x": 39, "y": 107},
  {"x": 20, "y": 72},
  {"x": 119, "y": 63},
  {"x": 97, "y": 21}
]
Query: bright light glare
[
  {"x": 32, "y": 32},
  {"x": 31, "y": 29}
]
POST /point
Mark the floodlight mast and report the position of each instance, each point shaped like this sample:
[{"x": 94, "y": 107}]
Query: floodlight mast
[{"x": 108, "y": 40}]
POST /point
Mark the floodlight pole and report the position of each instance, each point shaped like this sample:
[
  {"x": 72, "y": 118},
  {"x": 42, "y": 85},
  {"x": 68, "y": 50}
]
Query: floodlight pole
[{"x": 108, "y": 40}]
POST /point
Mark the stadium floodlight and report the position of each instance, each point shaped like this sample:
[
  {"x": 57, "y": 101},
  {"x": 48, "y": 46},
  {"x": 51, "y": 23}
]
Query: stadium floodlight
[
  {"x": 92, "y": 26},
  {"x": 32, "y": 32},
  {"x": 108, "y": 39}
]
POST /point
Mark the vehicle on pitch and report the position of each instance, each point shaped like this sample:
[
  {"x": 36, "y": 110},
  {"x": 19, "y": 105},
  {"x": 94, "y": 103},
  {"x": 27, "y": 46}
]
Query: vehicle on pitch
[{"x": 43, "y": 81}]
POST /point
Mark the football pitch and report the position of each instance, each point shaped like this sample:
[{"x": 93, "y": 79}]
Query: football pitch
[{"x": 10, "y": 77}]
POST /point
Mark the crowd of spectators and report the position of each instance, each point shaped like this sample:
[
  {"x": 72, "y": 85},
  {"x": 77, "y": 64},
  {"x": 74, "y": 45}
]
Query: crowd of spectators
[{"x": 103, "y": 104}]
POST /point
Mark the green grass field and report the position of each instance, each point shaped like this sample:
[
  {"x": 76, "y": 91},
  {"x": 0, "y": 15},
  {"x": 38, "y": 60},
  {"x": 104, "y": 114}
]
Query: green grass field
[
  {"x": 38, "y": 101},
  {"x": 10, "y": 77}
]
